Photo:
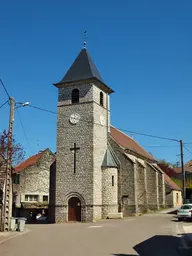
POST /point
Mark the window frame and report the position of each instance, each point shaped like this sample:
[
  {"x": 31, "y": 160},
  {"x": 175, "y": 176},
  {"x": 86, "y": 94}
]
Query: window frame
[
  {"x": 75, "y": 96},
  {"x": 30, "y": 198},
  {"x": 45, "y": 201},
  {"x": 113, "y": 181},
  {"x": 101, "y": 99}
]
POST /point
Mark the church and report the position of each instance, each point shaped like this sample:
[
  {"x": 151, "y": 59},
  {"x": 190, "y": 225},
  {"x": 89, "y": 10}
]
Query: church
[{"x": 99, "y": 170}]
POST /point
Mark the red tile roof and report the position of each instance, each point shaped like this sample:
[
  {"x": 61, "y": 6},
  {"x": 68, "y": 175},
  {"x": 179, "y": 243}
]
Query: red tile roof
[
  {"x": 171, "y": 183},
  {"x": 128, "y": 143},
  {"x": 179, "y": 170},
  {"x": 28, "y": 162},
  {"x": 170, "y": 171},
  {"x": 189, "y": 164}
]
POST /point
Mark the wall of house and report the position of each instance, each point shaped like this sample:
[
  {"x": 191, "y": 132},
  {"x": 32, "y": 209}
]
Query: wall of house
[
  {"x": 34, "y": 180},
  {"x": 173, "y": 198}
]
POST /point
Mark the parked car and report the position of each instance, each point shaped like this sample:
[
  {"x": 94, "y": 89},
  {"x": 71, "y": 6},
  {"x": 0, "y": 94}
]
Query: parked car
[{"x": 185, "y": 212}]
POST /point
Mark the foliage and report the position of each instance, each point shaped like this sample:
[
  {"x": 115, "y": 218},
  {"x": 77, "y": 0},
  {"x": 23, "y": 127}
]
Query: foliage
[
  {"x": 188, "y": 182},
  {"x": 17, "y": 151},
  {"x": 174, "y": 165},
  {"x": 177, "y": 181}
]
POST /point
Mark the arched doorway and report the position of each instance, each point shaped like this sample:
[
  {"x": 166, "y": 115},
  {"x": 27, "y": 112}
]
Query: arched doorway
[{"x": 74, "y": 209}]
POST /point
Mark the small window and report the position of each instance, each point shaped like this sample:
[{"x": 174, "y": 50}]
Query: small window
[
  {"x": 112, "y": 180},
  {"x": 31, "y": 198},
  {"x": 16, "y": 179},
  {"x": 45, "y": 198},
  {"x": 101, "y": 98},
  {"x": 75, "y": 96}
]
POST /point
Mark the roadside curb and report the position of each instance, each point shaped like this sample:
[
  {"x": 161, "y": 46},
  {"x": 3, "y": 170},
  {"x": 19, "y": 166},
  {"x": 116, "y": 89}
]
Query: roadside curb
[{"x": 16, "y": 234}]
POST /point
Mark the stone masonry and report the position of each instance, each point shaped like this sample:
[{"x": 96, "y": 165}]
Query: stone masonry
[
  {"x": 34, "y": 180},
  {"x": 91, "y": 137},
  {"x": 125, "y": 182}
]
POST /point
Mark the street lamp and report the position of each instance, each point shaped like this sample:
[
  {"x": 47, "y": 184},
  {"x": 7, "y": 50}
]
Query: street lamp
[{"x": 21, "y": 104}]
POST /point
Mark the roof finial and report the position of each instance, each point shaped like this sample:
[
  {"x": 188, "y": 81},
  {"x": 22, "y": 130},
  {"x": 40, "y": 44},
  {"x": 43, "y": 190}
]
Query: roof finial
[{"x": 85, "y": 37}]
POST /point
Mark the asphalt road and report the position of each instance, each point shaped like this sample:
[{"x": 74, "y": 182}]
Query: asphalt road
[{"x": 146, "y": 235}]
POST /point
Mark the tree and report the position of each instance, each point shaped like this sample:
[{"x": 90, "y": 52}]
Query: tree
[
  {"x": 168, "y": 164},
  {"x": 17, "y": 150}
]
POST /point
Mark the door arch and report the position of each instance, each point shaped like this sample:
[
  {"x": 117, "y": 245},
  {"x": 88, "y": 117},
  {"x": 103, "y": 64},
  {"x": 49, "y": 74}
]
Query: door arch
[{"x": 74, "y": 209}]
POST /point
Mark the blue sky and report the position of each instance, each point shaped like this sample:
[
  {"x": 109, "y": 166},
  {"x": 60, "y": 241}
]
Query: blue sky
[{"x": 141, "y": 48}]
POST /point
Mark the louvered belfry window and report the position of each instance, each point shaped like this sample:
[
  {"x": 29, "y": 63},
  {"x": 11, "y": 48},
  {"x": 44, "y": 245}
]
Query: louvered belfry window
[
  {"x": 101, "y": 98},
  {"x": 75, "y": 96}
]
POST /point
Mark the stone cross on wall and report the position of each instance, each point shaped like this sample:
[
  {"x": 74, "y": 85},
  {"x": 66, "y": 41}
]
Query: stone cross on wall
[{"x": 75, "y": 149}]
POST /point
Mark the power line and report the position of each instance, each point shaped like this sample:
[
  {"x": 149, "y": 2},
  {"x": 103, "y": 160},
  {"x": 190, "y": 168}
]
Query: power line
[
  {"x": 187, "y": 149},
  {"x": 149, "y": 135},
  {"x": 43, "y": 109},
  {"x": 4, "y": 104},
  {"x": 161, "y": 146},
  {"x": 123, "y": 130},
  {"x": 5, "y": 89},
  {"x": 20, "y": 120}
]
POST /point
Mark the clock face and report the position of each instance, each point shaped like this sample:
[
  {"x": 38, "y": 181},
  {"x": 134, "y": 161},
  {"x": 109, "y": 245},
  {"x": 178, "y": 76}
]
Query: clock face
[
  {"x": 74, "y": 118},
  {"x": 102, "y": 120}
]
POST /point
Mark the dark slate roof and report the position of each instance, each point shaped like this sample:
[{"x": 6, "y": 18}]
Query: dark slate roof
[
  {"x": 109, "y": 158},
  {"x": 82, "y": 68}
]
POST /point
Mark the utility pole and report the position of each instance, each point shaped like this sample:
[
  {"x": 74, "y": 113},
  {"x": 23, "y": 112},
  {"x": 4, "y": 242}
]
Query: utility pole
[
  {"x": 183, "y": 172},
  {"x": 7, "y": 209}
]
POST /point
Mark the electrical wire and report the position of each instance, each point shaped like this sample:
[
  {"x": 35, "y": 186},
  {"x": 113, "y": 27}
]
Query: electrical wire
[
  {"x": 187, "y": 149},
  {"x": 123, "y": 130},
  {"x": 4, "y": 104},
  {"x": 20, "y": 120},
  {"x": 5, "y": 89}
]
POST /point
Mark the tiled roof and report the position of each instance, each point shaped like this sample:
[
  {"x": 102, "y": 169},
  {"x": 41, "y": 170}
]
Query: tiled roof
[
  {"x": 179, "y": 170},
  {"x": 189, "y": 164},
  {"x": 171, "y": 183},
  {"x": 28, "y": 162},
  {"x": 170, "y": 171},
  {"x": 128, "y": 143}
]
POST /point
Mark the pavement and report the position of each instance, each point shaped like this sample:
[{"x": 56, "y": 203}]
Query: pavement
[
  {"x": 6, "y": 236},
  {"x": 157, "y": 235}
]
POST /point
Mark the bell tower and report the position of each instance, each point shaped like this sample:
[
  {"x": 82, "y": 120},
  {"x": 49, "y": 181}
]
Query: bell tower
[{"x": 82, "y": 133}]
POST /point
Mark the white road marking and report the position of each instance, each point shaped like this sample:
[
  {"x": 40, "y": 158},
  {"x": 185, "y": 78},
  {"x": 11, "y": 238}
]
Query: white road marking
[{"x": 95, "y": 226}]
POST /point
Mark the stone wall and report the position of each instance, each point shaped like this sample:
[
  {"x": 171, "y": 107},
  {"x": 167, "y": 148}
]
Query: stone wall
[
  {"x": 34, "y": 180},
  {"x": 141, "y": 188},
  {"x": 126, "y": 186},
  {"x": 91, "y": 137},
  {"x": 109, "y": 191},
  {"x": 152, "y": 188},
  {"x": 161, "y": 191}
]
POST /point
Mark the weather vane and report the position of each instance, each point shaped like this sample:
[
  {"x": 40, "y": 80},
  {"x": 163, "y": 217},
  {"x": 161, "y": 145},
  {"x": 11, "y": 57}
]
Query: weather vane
[{"x": 85, "y": 37}]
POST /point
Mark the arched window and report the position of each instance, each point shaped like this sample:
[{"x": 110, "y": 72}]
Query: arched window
[
  {"x": 101, "y": 98},
  {"x": 75, "y": 96}
]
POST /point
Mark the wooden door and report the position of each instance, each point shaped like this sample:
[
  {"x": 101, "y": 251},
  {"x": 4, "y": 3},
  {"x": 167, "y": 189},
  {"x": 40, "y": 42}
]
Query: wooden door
[{"x": 74, "y": 209}]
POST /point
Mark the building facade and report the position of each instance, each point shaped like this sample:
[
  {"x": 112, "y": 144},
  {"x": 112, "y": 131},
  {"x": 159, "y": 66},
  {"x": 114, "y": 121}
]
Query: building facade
[
  {"x": 31, "y": 185},
  {"x": 95, "y": 174}
]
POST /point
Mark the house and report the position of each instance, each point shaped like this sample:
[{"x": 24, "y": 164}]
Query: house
[
  {"x": 99, "y": 170},
  {"x": 31, "y": 193},
  {"x": 173, "y": 193}
]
